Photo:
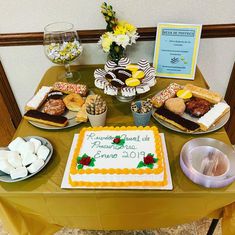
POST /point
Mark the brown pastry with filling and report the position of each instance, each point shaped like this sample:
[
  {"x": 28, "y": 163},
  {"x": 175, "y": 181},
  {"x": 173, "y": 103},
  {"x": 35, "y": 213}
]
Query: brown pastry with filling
[
  {"x": 197, "y": 107},
  {"x": 175, "y": 105},
  {"x": 54, "y": 107}
]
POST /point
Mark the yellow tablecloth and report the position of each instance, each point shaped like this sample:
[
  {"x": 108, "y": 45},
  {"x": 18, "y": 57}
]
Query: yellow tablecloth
[{"x": 39, "y": 206}]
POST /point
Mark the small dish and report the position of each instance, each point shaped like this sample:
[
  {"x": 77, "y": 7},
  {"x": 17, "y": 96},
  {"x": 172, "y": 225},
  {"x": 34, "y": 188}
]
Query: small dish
[
  {"x": 191, "y": 159},
  {"x": 6, "y": 178}
]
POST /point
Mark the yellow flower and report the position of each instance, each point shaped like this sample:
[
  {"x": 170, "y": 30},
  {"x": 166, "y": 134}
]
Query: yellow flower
[
  {"x": 130, "y": 27},
  {"x": 119, "y": 30},
  {"x": 106, "y": 41}
]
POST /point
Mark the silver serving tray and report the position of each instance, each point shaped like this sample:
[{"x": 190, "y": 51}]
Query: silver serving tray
[
  {"x": 217, "y": 125},
  {"x": 197, "y": 177},
  {"x": 6, "y": 178}
]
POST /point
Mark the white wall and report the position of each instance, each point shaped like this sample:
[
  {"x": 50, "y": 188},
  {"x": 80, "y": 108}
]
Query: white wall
[{"x": 26, "y": 65}]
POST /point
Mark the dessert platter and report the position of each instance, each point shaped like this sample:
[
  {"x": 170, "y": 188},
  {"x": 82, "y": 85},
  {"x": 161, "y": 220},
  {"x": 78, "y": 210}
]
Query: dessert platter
[
  {"x": 190, "y": 109},
  {"x": 23, "y": 158},
  {"x": 125, "y": 80},
  {"x": 118, "y": 157},
  {"x": 60, "y": 106}
]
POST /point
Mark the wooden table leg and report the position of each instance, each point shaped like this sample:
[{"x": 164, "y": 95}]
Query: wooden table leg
[{"x": 212, "y": 227}]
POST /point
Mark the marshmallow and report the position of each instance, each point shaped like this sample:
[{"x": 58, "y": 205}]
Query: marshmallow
[
  {"x": 6, "y": 167},
  {"x": 14, "y": 159},
  {"x": 16, "y": 143},
  {"x": 18, "y": 172},
  {"x": 37, "y": 143},
  {"x": 43, "y": 152},
  {"x": 29, "y": 158},
  {"x": 25, "y": 148},
  {"x": 35, "y": 166},
  {"x": 3, "y": 154}
]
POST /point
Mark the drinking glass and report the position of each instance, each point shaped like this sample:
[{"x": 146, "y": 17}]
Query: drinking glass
[{"x": 62, "y": 46}]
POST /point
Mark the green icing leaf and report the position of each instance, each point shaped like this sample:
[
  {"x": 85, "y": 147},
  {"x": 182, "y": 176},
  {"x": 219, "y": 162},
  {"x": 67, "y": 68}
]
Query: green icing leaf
[
  {"x": 80, "y": 166},
  {"x": 155, "y": 160},
  {"x": 92, "y": 163},
  {"x": 122, "y": 142},
  {"x": 78, "y": 159},
  {"x": 117, "y": 136},
  {"x": 84, "y": 155},
  {"x": 141, "y": 164},
  {"x": 150, "y": 165}
]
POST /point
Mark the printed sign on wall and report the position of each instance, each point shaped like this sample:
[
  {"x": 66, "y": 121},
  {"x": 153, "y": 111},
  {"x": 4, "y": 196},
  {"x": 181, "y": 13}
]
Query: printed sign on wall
[{"x": 176, "y": 50}]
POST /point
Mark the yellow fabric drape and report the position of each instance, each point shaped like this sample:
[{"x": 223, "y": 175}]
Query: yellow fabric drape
[{"x": 39, "y": 206}]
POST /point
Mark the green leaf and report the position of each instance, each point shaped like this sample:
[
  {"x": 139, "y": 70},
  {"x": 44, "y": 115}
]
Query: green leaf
[
  {"x": 150, "y": 154},
  {"x": 150, "y": 165},
  {"x": 78, "y": 159},
  {"x": 141, "y": 164},
  {"x": 84, "y": 155},
  {"x": 155, "y": 160},
  {"x": 122, "y": 142},
  {"x": 117, "y": 136},
  {"x": 92, "y": 163},
  {"x": 80, "y": 166}
]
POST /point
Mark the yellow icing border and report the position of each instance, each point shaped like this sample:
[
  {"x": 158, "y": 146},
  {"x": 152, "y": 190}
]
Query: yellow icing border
[{"x": 160, "y": 166}]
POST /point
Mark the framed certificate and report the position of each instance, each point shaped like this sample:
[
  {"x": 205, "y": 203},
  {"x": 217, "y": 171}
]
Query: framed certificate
[{"x": 176, "y": 50}]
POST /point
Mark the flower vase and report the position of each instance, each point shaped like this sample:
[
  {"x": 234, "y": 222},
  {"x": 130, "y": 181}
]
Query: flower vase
[{"x": 116, "y": 53}]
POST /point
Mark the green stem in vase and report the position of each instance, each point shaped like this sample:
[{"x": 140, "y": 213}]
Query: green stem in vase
[{"x": 116, "y": 52}]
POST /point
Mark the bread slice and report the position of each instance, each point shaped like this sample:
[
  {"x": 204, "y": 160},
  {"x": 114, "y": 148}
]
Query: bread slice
[{"x": 211, "y": 96}]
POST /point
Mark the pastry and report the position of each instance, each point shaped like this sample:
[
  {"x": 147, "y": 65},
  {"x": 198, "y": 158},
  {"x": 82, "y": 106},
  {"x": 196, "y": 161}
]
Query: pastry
[
  {"x": 143, "y": 64},
  {"x": 53, "y": 120},
  {"x": 73, "y": 102},
  {"x": 184, "y": 94},
  {"x": 175, "y": 105},
  {"x": 82, "y": 114},
  {"x": 215, "y": 113},
  {"x": 96, "y": 106},
  {"x": 124, "y": 61},
  {"x": 138, "y": 74},
  {"x": 38, "y": 98},
  {"x": 159, "y": 99},
  {"x": 142, "y": 88},
  {"x": 54, "y": 107},
  {"x": 176, "y": 120},
  {"x": 197, "y": 107},
  {"x": 132, "y": 67},
  {"x": 55, "y": 95},
  {"x": 110, "y": 90},
  {"x": 68, "y": 88},
  {"x": 132, "y": 82},
  {"x": 211, "y": 96}
]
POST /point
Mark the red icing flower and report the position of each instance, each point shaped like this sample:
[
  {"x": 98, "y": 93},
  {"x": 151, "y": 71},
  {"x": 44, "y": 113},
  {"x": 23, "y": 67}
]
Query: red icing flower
[
  {"x": 85, "y": 161},
  {"x": 148, "y": 159},
  {"x": 116, "y": 140}
]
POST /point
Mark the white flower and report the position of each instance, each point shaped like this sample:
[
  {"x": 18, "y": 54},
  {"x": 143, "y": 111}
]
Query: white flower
[{"x": 122, "y": 40}]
